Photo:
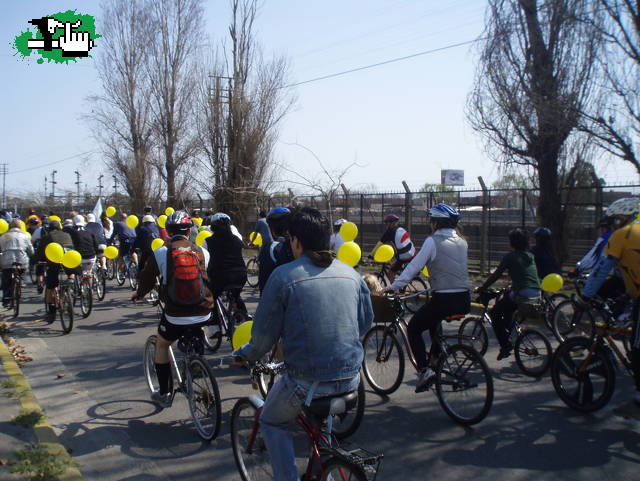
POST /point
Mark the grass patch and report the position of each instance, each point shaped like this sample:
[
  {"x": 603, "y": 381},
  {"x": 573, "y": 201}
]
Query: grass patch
[
  {"x": 37, "y": 464},
  {"x": 28, "y": 419},
  {"x": 8, "y": 384}
]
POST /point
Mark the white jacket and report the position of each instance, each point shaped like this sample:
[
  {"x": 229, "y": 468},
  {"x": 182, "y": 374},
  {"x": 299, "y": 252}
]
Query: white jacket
[{"x": 15, "y": 246}]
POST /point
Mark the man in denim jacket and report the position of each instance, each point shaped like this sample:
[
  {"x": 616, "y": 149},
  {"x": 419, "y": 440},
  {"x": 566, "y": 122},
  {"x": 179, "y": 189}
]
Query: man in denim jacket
[{"x": 320, "y": 308}]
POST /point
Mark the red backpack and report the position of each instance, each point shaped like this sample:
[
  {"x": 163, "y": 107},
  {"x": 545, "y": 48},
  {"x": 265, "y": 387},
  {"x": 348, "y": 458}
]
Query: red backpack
[{"x": 185, "y": 282}]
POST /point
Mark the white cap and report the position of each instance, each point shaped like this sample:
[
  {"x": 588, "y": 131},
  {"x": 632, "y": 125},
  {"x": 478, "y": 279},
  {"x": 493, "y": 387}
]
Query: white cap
[
  {"x": 91, "y": 218},
  {"x": 148, "y": 218},
  {"x": 67, "y": 223},
  {"x": 78, "y": 220},
  {"x": 339, "y": 222}
]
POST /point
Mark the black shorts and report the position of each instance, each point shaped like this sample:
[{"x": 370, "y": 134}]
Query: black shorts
[
  {"x": 52, "y": 273},
  {"x": 126, "y": 247},
  {"x": 172, "y": 332}
]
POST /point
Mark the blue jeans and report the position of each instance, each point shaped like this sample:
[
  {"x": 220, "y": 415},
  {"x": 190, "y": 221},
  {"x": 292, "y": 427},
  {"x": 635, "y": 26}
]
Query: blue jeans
[{"x": 283, "y": 403}]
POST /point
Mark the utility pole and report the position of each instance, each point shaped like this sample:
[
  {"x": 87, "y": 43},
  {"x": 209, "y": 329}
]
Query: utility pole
[
  {"x": 45, "y": 186},
  {"x": 100, "y": 186},
  {"x": 4, "y": 170},
  {"x": 77, "y": 185},
  {"x": 53, "y": 184},
  {"x": 115, "y": 185}
]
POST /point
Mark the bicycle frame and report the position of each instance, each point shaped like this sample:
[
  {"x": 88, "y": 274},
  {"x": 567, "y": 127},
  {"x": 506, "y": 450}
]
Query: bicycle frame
[{"x": 603, "y": 335}]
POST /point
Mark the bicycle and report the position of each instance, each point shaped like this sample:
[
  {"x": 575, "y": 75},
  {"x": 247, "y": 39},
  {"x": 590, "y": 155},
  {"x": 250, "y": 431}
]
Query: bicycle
[
  {"x": 460, "y": 370},
  {"x": 229, "y": 317},
  {"x": 344, "y": 424},
  {"x": 82, "y": 291},
  {"x": 253, "y": 269},
  {"x": 15, "y": 288},
  {"x": 326, "y": 458},
  {"x": 112, "y": 267},
  {"x": 416, "y": 292},
  {"x": 582, "y": 369},
  {"x": 99, "y": 281},
  {"x": 63, "y": 301},
  {"x": 191, "y": 376},
  {"x": 531, "y": 346},
  {"x": 130, "y": 272}
]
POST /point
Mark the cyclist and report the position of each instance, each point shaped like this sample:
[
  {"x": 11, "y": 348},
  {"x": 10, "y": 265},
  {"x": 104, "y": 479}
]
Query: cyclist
[
  {"x": 177, "y": 314},
  {"x": 67, "y": 226},
  {"x": 276, "y": 249},
  {"x": 107, "y": 225},
  {"x": 623, "y": 251},
  {"x": 147, "y": 233},
  {"x": 262, "y": 227},
  {"x": 445, "y": 254},
  {"x": 542, "y": 253},
  {"x": 32, "y": 224},
  {"x": 320, "y": 308},
  {"x": 98, "y": 232},
  {"x": 36, "y": 238},
  {"x": 227, "y": 270},
  {"x": 85, "y": 243},
  {"x": 127, "y": 237},
  {"x": 52, "y": 269},
  {"x": 15, "y": 246},
  {"x": 525, "y": 285},
  {"x": 400, "y": 240},
  {"x": 336, "y": 239}
]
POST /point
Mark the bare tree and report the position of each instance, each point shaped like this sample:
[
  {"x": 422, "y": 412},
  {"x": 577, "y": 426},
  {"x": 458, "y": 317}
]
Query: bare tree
[
  {"x": 242, "y": 103},
  {"x": 534, "y": 77},
  {"x": 121, "y": 115},
  {"x": 614, "y": 123},
  {"x": 176, "y": 29}
]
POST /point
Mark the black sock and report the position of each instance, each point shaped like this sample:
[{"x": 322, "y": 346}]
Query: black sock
[{"x": 164, "y": 374}]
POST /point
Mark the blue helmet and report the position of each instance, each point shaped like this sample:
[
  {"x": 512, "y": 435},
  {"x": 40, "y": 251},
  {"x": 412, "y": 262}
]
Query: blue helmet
[
  {"x": 443, "y": 211},
  {"x": 277, "y": 213}
]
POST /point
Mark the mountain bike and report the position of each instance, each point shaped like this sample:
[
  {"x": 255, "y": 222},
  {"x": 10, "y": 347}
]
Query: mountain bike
[
  {"x": 229, "y": 316},
  {"x": 582, "y": 368},
  {"x": 82, "y": 293},
  {"x": 531, "y": 346},
  {"x": 463, "y": 382},
  {"x": 99, "y": 281},
  {"x": 15, "y": 288},
  {"x": 253, "y": 269},
  {"x": 191, "y": 376},
  {"x": 344, "y": 424},
  {"x": 112, "y": 268},
  {"x": 63, "y": 300},
  {"x": 327, "y": 460}
]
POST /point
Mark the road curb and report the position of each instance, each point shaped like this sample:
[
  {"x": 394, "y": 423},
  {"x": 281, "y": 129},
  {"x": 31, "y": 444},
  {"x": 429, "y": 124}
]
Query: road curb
[{"x": 44, "y": 432}]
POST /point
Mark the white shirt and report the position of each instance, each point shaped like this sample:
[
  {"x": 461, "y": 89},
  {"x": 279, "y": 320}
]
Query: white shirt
[{"x": 335, "y": 241}]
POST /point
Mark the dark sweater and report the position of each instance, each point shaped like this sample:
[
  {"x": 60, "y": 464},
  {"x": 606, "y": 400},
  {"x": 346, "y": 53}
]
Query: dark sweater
[{"x": 522, "y": 271}]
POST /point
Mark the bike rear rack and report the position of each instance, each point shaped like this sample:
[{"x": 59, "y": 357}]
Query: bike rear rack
[{"x": 367, "y": 461}]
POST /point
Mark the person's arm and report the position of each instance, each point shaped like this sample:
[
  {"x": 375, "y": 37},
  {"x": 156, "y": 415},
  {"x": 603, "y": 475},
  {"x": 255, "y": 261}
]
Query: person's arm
[
  {"x": 496, "y": 274},
  {"x": 28, "y": 246},
  {"x": 148, "y": 276},
  {"x": 268, "y": 321},
  {"x": 365, "y": 309},
  {"x": 424, "y": 256}
]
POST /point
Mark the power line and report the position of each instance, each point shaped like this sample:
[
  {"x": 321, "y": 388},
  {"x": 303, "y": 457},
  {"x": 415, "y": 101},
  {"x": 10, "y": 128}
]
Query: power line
[
  {"x": 54, "y": 162},
  {"x": 385, "y": 62}
]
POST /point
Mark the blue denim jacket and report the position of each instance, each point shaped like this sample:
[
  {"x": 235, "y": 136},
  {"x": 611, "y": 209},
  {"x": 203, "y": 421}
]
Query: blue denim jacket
[{"x": 320, "y": 313}]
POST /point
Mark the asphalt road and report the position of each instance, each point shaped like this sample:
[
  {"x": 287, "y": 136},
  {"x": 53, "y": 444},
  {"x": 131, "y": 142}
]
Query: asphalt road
[{"x": 90, "y": 383}]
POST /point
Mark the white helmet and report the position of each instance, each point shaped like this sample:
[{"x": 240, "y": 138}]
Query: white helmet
[
  {"x": 339, "y": 222},
  {"x": 626, "y": 206}
]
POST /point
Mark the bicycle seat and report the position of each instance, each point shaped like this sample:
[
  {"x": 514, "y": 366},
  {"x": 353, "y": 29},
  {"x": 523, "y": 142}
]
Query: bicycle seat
[
  {"x": 325, "y": 406},
  {"x": 454, "y": 317},
  {"x": 192, "y": 339}
]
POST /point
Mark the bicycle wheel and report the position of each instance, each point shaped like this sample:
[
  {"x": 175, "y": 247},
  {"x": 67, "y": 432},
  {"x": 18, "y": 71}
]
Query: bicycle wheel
[
  {"x": 570, "y": 320},
  {"x": 533, "y": 352},
  {"x": 585, "y": 390},
  {"x": 472, "y": 333},
  {"x": 414, "y": 303},
  {"x": 204, "y": 399},
  {"x": 65, "y": 311},
  {"x": 339, "y": 469},
  {"x": 99, "y": 284},
  {"x": 345, "y": 424},
  {"x": 464, "y": 384},
  {"x": 383, "y": 363},
  {"x": 133, "y": 275},
  {"x": 32, "y": 273},
  {"x": 551, "y": 303},
  {"x": 86, "y": 298},
  {"x": 212, "y": 336},
  {"x": 252, "y": 272},
  {"x": 120, "y": 275},
  {"x": 249, "y": 449},
  {"x": 111, "y": 269},
  {"x": 16, "y": 292},
  {"x": 149, "y": 365}
]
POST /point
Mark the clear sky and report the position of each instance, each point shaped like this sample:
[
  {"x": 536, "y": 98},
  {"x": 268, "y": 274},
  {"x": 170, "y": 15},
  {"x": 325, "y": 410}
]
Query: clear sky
[{"x": 401, "y": 121}]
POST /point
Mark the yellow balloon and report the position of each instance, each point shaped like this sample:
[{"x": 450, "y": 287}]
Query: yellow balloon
[
  {"x": 111, "y": 252},
  {"x": 23, "y": 226},
  {"x": 348, "y": 231},
  {"x": 169, "y": 210},
  {"x": 256, "y": 239},
  {"x": 55, "y": 217},
  {"x": 349, "y": 253},
  {"x": 132, "y": 221},
  {"x": 197, "y": 220},
  {"x": 111, "y": 211},
  {"x": 202, "y": 236},
  {"x": 162, "y": 220},
  {"x": 552, "y": 283},
  {"x": 156, "y": 244},
  {"x": 384, "y": 253},
  {"x": 425, "y": 271},
  {"x": 241, "y": 335},
  {"x": 71, "y": 259},
  {"x": 54, "y": 252},
  {"x": 4, "y": 226}
]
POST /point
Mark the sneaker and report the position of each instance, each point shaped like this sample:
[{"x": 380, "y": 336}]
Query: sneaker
[
  {"x": 162, "y": 400},
  {"x": 504, "y": 352},
  {"x": 423, "y": 379}
]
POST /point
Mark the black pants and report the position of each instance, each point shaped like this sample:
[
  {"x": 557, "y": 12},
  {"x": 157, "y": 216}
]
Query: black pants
[
  {"x": 6, "y": 284},
  {"x": 635, "y": 343},
  {"x": 235, "y": 296},
  {"x": 501, "y": 316},
  {"x": 429, "y": 317}
]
